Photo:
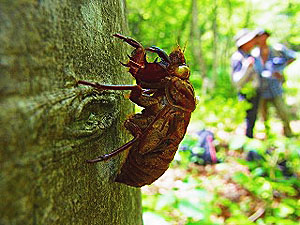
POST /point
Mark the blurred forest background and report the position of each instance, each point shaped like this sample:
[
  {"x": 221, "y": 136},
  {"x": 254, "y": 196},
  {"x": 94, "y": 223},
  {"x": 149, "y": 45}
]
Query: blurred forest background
[{"x": 235, "y": 191}]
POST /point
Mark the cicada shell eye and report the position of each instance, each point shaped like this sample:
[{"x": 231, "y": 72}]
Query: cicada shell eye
[{"x": 182, "y": 72}]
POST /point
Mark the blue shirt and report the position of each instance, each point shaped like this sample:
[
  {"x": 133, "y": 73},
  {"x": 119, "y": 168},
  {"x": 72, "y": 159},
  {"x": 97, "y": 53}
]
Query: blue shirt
[
  {"x": 242, "y": 73},
  {"x": 276, "y": 62}
]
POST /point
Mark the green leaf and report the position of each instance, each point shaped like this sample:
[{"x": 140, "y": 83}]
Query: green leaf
[
  {"x": 258, "y": 171},
  {"x": 255, "y": 144},
  {"x": 238, "y": 220},
  {"x": 190, "y": 210},
  {"x": 241, "y": 178},
  {"x": 284, "y": 210}
]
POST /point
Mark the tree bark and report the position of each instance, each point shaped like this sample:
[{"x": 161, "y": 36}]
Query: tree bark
[
  {"x": 196, "y": 46},
  {"x": 196, "y": 41},
  {"x": 50, "y": 126},
  {"x": 215, "y": 62}
]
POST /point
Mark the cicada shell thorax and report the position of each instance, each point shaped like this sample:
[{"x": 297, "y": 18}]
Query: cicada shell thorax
[{"x": 180, "y": 93}]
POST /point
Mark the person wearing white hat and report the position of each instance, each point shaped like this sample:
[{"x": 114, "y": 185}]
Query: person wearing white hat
[
  {"x": 274, "y": 59},
  {"x": 245, "y": 77}
]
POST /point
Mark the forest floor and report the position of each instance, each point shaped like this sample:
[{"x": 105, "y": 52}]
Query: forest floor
[{"x": 217, "y": 181}]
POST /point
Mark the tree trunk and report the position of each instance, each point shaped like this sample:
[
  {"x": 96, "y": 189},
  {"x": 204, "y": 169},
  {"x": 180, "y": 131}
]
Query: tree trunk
[
  {"x": 215, "y": 43},
  {"x": 50, "y": 126},
  {"x": 196, "y": 45},
  {"x": 196, "y": 40}
]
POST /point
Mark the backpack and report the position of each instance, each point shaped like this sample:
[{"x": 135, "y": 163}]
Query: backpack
[{"x": 204, "y": 151}]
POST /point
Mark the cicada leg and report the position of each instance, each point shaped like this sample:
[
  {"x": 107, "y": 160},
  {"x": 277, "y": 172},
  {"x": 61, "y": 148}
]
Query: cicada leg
[
  {"x": 161, "y": 53},
  {"x": 134, "y": 129},
  {"x": 110, "y": 87},
  {"x": 129, "y": 40},
  {"x": 114, "y": 153}
]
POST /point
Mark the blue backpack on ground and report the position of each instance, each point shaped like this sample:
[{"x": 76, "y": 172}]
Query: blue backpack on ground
[{"x": 204, "y": 151}]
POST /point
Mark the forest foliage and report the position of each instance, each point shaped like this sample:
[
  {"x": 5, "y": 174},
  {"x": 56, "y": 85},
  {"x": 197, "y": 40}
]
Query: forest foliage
[
  {"x": 189, "y": 193},
  {"x": 207, "y": 28}
]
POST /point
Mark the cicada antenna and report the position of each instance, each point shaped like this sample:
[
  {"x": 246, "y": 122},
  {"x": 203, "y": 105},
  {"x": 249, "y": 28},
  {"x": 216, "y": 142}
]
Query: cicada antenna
[{"x": 184, "y": 47}]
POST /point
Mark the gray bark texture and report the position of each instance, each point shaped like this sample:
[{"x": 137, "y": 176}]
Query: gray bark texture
[{"x": 50, "y": 126}]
